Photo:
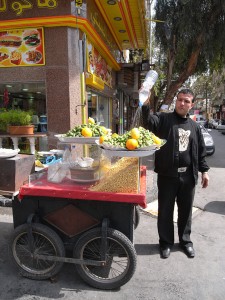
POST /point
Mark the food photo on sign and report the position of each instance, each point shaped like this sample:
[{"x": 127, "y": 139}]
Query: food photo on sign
[
  {"x": 97, "y": 65},
  {"x": 31, "y": 38},
  {"x": 22, "y": 47}
]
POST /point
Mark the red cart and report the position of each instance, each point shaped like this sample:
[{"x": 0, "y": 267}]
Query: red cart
[{"x": 66, "y": 222}]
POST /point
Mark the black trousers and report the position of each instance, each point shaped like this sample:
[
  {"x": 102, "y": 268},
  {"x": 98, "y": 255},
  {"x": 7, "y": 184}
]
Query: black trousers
[{"x": 180, "y": 189}]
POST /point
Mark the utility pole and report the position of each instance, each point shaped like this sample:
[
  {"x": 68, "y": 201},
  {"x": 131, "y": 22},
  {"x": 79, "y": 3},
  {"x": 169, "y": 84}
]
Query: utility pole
[
  {"x": 206, "y": 99},
  {"x": 149, "y": 16}
]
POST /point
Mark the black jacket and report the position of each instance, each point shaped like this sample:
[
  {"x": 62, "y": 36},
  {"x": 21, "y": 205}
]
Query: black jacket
[{"x": 165, "y": 126}]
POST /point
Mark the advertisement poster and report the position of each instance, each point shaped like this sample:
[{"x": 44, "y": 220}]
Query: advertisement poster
[
  {"x": 22, "y": 47},
  {"x": 97, "y": 65}
]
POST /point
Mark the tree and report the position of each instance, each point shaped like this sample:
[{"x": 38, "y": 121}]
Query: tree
[
  {"x": 203, "y": 88},
  {"x": 192, "y": 37},
  {"x": 200, "y": 85}
]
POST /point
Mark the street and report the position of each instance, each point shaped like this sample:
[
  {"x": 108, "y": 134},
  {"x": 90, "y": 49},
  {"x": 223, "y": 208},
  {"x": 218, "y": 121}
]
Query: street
[{"x": 176, "y": 278}]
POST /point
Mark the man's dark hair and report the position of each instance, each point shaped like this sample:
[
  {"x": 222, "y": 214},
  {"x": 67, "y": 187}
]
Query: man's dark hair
[{"x": 187, "y": 91}]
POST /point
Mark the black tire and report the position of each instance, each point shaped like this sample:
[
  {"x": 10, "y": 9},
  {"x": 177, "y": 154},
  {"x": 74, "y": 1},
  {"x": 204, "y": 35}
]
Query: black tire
[
  {"x": 136, "y": 216},
  {"x": 121, "y": 259},
  {"x": 46, "y": 242},
  {"x": 209, "y": 154}
]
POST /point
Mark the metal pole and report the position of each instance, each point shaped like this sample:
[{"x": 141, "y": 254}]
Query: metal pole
[
  {"x": 206, "y": 96},
  {"x": 82, "y": 48},
  {"x": 150, "y": 29}
]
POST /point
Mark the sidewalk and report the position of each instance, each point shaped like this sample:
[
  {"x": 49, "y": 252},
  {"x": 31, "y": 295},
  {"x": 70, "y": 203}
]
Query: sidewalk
[
  {"x": 152, "y": 191},
  {"x": 4, "y": 201},
  {"x": 152, "y": 209},
  {"x": 176, "y": 278}
]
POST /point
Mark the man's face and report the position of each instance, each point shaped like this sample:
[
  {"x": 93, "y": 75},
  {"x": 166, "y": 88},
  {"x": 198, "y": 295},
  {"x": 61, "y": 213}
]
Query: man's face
[{"x": 183, "y": 104}]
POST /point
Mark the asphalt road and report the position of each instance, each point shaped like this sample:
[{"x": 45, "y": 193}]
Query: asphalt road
[
  {"x": 176, "y": 278},
  {"x": 218, "y": 159}
]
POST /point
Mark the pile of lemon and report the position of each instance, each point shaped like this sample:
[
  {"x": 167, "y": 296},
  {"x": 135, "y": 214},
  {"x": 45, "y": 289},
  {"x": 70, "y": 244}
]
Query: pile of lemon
[
  {"x": 38, "y": 164},
  {"x": 133, "y": 139},
  {"x": 91, "y": 129}
]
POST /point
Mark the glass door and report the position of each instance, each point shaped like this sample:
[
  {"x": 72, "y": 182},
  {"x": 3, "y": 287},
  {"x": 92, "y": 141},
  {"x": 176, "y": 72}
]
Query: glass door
[{"x": 99, "y": 108}]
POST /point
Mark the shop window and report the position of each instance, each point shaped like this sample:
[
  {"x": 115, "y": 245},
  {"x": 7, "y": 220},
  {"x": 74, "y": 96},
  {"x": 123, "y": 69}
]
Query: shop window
[
  {"x": 26, "y": 96},
  {"x": 99, "y": 109}
]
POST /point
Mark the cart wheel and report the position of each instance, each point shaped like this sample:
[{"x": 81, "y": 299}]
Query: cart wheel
[
  {"x": 45, "y": 242},
  {"x": 121, "y": 259},
  {"x": 136, "y": 216}
]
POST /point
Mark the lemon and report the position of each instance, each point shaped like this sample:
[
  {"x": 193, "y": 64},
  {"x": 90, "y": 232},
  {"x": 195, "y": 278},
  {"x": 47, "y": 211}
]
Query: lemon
[
  {"x": 135, "y": 133},
  {"x": 86, "y": 132},
  {"x": 114, "y": 135},
  {"x": 104, "y": 130},
  {"x": 38, "y": 164},
  {"x": 131, "y": 144},
  {"x": 156, "y": 140},
  {"x": 101, "y": 139},
  {"x": 91, "y": 120}
]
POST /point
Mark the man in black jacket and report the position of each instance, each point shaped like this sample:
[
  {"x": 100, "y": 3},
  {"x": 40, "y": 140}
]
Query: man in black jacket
[{"x": 177, "y": 164}]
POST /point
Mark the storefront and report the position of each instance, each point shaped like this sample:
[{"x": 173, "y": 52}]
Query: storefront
[
  {"x": 29, "y": 96},
  {"x": 99, "y": 108},
  {"x": 60, "y": 58},
  {"x": 222, "y": 114}
]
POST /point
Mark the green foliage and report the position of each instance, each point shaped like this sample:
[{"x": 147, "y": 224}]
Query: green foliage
[
  {"x": 203, "y": 85},
  {"x": 191, "y": 27},
  {"x": 19, "y": 117},
  {"x": 14, "y": 117},
  {"x": 186, "y": 20}
]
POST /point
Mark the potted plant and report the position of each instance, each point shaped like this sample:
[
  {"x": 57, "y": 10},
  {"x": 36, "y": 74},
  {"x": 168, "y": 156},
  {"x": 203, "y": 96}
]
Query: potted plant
[
  {"x": 3, "y": 120},
  {"x": 16, "y": 121}
]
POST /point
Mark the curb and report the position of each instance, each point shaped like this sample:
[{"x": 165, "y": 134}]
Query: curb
[{"x": 152, "y": 210}]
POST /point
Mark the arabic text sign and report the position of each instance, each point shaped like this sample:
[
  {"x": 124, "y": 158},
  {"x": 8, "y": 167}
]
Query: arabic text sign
[
  {"x": 20, "y": 6},
  {"x": 78, "y": 3},
  {"x": 22, "y": 47}
]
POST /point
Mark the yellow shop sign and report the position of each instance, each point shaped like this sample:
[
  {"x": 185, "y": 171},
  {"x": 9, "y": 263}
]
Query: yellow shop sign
[
  {"x": 19, "y": 6},
  {"x": 95, "y": 81},
  {"x": 22, "y": 47},
  {"x": 78, "y": 3}
]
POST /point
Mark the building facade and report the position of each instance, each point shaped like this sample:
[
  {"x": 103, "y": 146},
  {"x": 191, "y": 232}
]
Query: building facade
[{"x": 61, "y": 59}]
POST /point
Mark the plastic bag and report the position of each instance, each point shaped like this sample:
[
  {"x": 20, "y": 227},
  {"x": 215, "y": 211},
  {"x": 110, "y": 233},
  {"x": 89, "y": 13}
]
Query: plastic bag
[{"x": 57, "y": 172}]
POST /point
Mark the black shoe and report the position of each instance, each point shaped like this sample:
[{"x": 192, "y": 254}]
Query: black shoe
[
  {"x": 165, "y": 252},
  {"x": 189, "y": 251}
]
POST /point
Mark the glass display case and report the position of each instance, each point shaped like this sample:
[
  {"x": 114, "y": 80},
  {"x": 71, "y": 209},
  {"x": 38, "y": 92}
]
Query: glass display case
[
  {"x": 81, "y": 163},
  {"x": 85, "y": 165},
  {"x": 101, "y": 170},
  {"x": 123, "y": 173}
]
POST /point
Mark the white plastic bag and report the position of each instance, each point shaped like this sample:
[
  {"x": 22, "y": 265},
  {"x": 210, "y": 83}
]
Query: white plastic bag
[{"x": 57, "y": 172}]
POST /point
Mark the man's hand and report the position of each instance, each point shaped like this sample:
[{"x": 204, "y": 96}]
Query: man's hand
[
  {"x": 205, "y": 180},
  {"x": 147, "y": 101}
]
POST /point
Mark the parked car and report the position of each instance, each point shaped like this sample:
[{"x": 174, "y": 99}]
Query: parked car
[
  {"x": 221, "y": 127},
  {"x": 201, "y": 120},
  {"x": 213, "y": 123},
  {"x": 209, "y": 143}
]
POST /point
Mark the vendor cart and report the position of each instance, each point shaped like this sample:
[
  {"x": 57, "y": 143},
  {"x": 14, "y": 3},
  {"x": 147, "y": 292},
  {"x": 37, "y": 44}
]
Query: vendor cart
[{"x": 68, "y": 222}]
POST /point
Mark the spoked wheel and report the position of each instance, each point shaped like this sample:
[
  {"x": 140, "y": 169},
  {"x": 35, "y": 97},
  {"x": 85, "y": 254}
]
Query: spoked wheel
[
  {"x": 45, "y": 242},
  {"x": 121, "y": 259}
]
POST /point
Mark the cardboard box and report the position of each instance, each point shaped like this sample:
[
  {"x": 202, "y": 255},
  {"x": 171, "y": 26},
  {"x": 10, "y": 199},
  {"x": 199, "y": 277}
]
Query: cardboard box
[{"x": 15, "y": 171}]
